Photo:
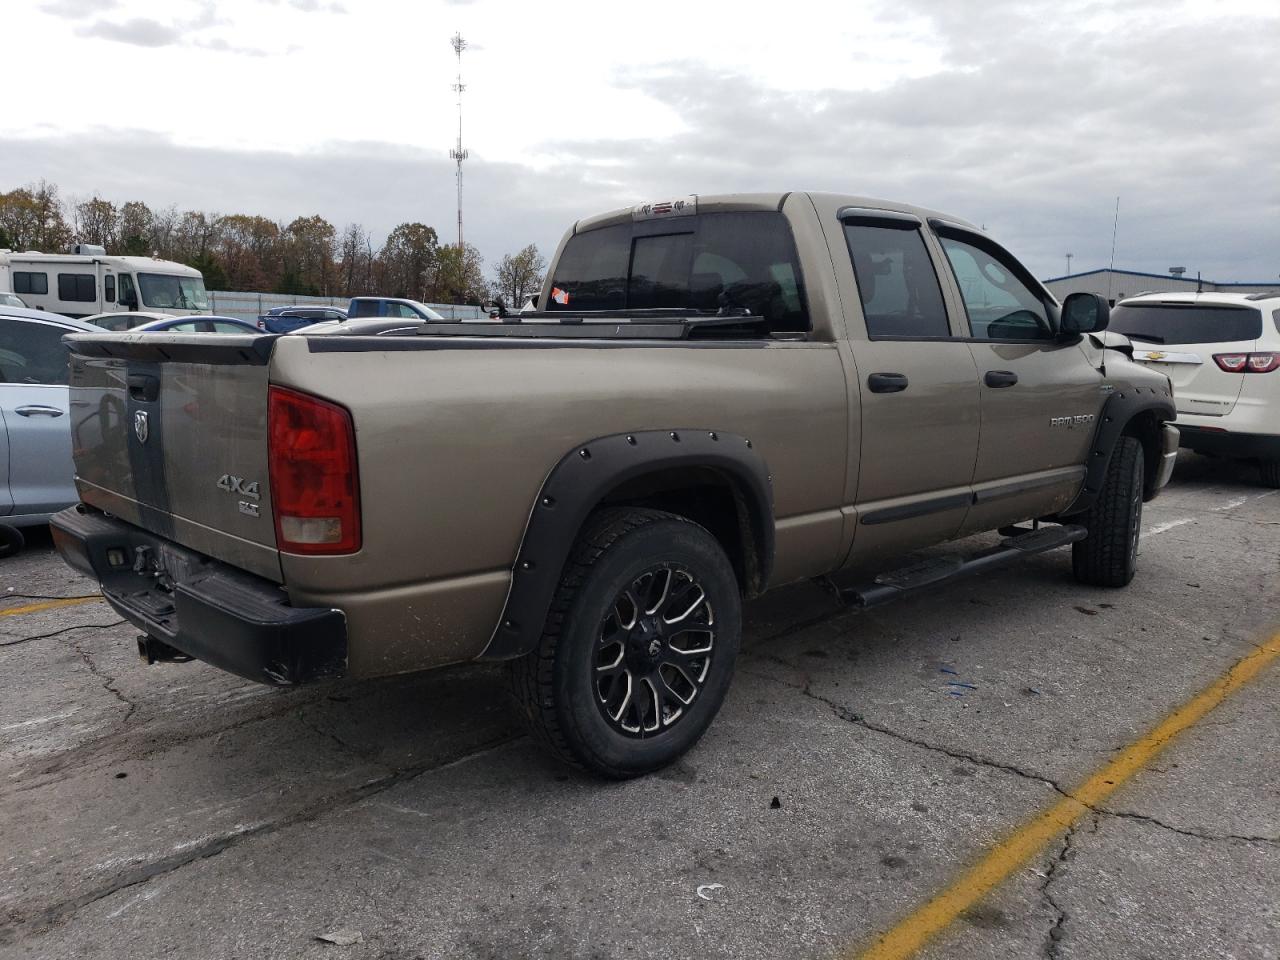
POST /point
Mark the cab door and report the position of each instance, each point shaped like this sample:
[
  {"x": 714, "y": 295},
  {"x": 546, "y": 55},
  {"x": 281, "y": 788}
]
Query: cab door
[
  {"x": 1040, "y": 394},
  {"x": 918, "y": 389}
]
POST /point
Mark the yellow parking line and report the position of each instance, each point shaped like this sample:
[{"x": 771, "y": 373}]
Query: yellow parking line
[
  {"x": 48, "y": 605},
  {"x": 914, "y": 931}
]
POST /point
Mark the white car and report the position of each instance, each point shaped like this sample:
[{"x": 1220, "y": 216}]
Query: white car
[
  {"x": 1222, "y": 353},
  {"x": 36, "y": 474}
]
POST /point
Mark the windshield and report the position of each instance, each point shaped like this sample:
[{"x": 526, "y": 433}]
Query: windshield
[
  {"x": 1185, "y": 323},
  {"x": 167, "y": 290}
]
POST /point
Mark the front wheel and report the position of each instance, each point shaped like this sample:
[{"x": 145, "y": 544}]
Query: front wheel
[
  {"x": 1108, "y": 556},
  {"x": 639, "y": 645}
]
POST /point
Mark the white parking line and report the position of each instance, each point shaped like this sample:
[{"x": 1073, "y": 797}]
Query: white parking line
[
  {"x": 1241, "y": 501},
  {"x": 1169, "y": 525}
]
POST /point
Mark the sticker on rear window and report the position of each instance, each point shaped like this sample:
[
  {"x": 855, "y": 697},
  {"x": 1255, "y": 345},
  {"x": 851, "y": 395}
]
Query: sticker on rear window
[{"x": 560, "y": 296}]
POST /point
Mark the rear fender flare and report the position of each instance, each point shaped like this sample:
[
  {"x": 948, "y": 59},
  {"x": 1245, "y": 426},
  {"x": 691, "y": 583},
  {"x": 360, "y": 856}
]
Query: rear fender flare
[
  {"x": 579, "y": 483},
  {"x": 1117, "y": 415}
]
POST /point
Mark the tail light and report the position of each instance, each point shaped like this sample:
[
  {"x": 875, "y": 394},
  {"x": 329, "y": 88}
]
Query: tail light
[
  {"x": 315, "y": 489},
  {"x": 1263, "y": 362},
  {"x": 1247, "y": 362}
]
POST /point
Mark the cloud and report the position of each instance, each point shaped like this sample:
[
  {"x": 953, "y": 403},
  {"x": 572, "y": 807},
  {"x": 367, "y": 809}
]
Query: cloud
[
  {"x": 1034, "y": 136},
  {"x": 77, "y": 9},
  {"x": 310, "y": 6},
  {"x": 138, "y": 31}
]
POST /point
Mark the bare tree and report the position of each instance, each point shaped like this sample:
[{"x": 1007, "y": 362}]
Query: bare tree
[
  {"x": 519, "y": 276},
  {"x": 96, "y": 221}
]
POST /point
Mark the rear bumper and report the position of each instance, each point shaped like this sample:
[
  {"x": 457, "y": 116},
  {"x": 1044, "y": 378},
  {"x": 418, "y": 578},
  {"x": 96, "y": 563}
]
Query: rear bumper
[
  {"x": 1229, "y": 443},
  {"x": 200, "y": 607}
]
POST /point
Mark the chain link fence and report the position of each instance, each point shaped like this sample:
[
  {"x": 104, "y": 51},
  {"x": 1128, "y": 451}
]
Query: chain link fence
[{"x": 250, "y": 306}]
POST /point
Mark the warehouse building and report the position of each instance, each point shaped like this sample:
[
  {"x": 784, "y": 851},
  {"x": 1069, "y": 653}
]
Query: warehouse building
[{"x": 1118, "y": 284}]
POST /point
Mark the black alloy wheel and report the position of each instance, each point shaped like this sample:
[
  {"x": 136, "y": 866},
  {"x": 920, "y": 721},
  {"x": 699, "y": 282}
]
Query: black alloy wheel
[{"x": 655, "y": 651}]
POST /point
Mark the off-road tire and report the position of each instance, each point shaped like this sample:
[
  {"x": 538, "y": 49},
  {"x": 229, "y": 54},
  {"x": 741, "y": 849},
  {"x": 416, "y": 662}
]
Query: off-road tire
[
  {"x": 1108, "y": 556},
  {"x": 1270, "y": 473},
  {"x": 555, "y": 688},
  {"x": 11, "y": 540}
]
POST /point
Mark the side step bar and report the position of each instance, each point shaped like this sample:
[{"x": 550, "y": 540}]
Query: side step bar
[{"x": 895, "y": 583}]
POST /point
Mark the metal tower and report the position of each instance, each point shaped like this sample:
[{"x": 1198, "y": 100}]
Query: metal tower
[{"x": 458, "y": 154}]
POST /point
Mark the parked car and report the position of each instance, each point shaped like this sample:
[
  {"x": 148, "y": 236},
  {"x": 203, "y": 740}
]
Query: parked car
[
  {"x": 36, "y": 472},
  {"x": 125, "y": 320},
  {"x": 1222, "y": 353},
  {"x": 390, "y": 307},
  {"x": 11, "y": 300},
  {"x": 198, "y": 325},
  {"x": 289, "y": 319},
  {"x": 719, "y": 395}
]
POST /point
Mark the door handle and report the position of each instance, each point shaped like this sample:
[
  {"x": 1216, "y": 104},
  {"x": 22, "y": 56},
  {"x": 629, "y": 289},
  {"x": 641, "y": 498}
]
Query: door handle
[
  {"x": 38, "y": 410},
  {"x": 1000, "y": 378},
  {"x": 887, "y": 382}
]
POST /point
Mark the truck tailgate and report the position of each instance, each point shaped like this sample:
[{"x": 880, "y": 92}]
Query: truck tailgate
[{"x": 169, "y": 432}]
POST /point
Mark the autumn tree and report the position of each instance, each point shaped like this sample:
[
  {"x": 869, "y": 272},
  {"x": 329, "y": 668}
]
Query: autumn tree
[
  {"x": 307, "y": 256},
  {"x": 459, "y": 276},
  {"x": 133, "y": 233},
  {"x": 32, "y": 218},
  {"x": 409, "y": 261},
  {"x": 248, "y": 248},
  {"x": 519, "y": 276}
]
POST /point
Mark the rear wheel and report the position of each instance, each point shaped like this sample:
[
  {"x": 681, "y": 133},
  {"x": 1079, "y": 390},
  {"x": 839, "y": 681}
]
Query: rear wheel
[
  {"x": 1271, "y": 473},
  {"x": 1108, "y": 556},
  {"x": 639, "y": 646}
]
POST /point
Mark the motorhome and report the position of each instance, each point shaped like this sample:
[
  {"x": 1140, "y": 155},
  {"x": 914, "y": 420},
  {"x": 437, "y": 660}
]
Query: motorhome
[{"x": 86, "y": 281}]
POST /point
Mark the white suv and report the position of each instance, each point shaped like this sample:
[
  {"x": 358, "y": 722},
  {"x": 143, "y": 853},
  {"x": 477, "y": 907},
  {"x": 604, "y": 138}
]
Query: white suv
[{"x": 1222, "y": 353}]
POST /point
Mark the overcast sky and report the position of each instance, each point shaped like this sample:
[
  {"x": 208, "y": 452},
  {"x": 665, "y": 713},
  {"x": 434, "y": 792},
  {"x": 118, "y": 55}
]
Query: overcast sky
[{"x": 1027, "y": 117}]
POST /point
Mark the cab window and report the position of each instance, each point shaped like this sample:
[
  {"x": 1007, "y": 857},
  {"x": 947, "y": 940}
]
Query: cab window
[
  {"x": 901, "y": 298},
  {"x": 706, "y": 263},
  {"x": 1000, "y": 305}
]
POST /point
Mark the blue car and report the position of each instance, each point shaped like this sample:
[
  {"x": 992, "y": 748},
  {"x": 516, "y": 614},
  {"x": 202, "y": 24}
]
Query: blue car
[
  {"x": 198, "y": 325},
  {"x": 289, "y": 319}
]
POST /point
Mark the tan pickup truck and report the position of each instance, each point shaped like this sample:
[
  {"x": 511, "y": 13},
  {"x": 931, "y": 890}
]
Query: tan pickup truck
[{"x": 717, "y": 396}]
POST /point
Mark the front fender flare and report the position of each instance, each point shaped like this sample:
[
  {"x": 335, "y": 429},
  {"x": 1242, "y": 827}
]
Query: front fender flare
[
  {"x": 578, "y": 484},
  {"x": 1117, "y": 413}
]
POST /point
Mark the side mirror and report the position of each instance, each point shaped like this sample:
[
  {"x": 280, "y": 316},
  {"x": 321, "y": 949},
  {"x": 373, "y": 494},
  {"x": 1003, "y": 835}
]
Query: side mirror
[
  {"x": 129, "y": 301},
  {"x": 1085, "y": 313}
]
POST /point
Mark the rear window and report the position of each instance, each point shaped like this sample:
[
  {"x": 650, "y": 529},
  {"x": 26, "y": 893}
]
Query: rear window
[
  {"x": 1192, "y": 323},
  {"x": 706, "y": 263}
]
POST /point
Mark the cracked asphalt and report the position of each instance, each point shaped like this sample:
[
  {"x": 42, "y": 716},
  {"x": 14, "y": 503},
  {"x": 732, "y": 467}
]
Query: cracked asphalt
[{"x": 174, "y": 811}]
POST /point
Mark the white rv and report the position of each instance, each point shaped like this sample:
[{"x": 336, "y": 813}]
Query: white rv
[{"x": 87, "y": 281}]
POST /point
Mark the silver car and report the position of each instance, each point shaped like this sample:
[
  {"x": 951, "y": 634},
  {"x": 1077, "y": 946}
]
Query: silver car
[{"x": 36, "y": 474}]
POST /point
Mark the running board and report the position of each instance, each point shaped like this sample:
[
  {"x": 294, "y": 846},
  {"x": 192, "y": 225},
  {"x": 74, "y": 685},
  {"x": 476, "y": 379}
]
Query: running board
[{"x": 895, "y": 583}]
